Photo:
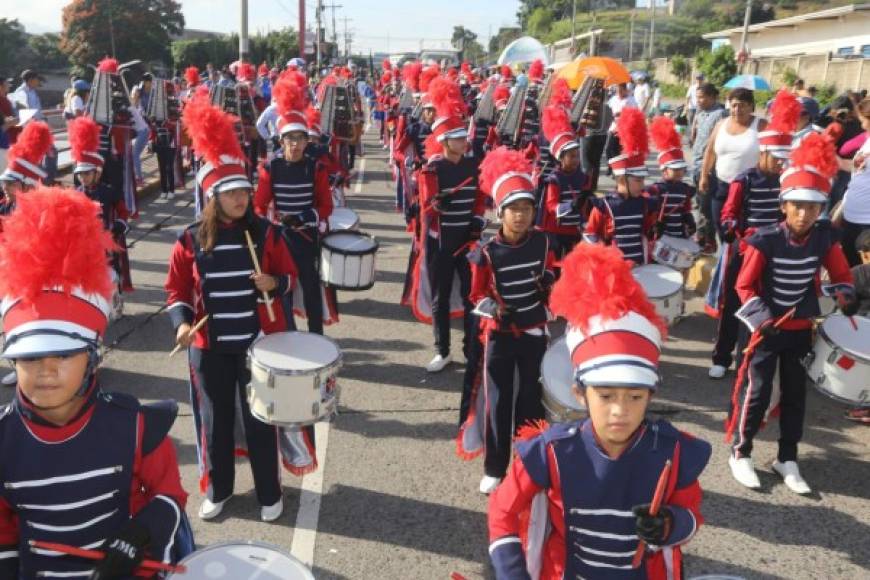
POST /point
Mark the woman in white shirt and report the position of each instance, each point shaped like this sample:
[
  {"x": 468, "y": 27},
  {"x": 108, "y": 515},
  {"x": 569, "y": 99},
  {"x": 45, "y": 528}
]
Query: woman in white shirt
[{"x": 856, "y": 202}]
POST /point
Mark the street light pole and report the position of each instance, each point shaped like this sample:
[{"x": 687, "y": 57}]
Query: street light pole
[
  {"x": 243, "y": 32},
  {"x": 746, "y": 18},
  {"x": 573, "y": 25}
]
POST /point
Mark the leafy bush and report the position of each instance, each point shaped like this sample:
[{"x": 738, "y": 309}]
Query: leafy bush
[
  {"x": 719, "y": 66},
  {"x": 681, "y": 67}
]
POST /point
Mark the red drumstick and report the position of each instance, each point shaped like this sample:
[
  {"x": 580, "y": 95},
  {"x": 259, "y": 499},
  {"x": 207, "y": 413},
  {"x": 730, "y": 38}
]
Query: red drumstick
[
  {"x": 657, "y": 499},
  {"x": 149, "y": 565}
]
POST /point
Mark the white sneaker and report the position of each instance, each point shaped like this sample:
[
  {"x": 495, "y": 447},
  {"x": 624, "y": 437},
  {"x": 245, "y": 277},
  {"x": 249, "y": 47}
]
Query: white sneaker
[
  {"x": 488, "y": 484},
  {"x": 170, "y": 196},
  {"x": 792, "y": 476},
  {"x": 717, "y": 372},
  {"x": 270, "y": 513},
  {"x": 208, "y": 510},
  {"x": 744, "y": 472},
  {"x": 10, "y": 379},
  {"x": 437, "y": 364}
]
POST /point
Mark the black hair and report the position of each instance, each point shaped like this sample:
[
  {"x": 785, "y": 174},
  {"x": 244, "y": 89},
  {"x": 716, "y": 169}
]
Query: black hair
[
  {"x": 742, "y": 95},
  {"x": 862, "y": 242},
  {"x": 709, "y": 89}
]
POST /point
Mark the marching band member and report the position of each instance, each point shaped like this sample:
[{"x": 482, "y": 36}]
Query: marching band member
[
  {"x": 298, "y": 186},
  {"x": 451, "y": 211},
  {"x": 566, "y": 203},
  {"x": 511, "y": 277},
  {"x": 624, "y": 218},
  {"x": 753, "y": 202},
  {"x": 673, "y": 195},
  {"x": 24, "y": 170},
  {"x": 211, "y": 274},
  {"x": 576, "y": 501},
  {"x": 410, "y": 149},
  {"x": 777, "y": 285},
  {"x": 545, "y": 164},
  {"x": 72, "y": 453}
]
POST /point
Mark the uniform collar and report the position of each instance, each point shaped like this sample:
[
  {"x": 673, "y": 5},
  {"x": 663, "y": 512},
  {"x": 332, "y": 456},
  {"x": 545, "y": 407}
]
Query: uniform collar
[{"x": 50, "y": 432}]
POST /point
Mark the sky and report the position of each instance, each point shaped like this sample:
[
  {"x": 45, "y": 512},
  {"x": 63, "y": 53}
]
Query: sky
[{"x": 377, "y": 25}]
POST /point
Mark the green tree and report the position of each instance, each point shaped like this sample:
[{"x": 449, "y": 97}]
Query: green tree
[
  {"x": 697, "y": 9},
  {"x": 735, "y": 13},
  {"x": 12, "y": 41},
  {"x": 539, "y": 23},
  {"x": 45, "y": 53},
  {"x": 276, "y": 47},
  {"x": 504, "y": 37},
  {"x": 141, "y": 29},
  {"x": 719, "y": 66},
  {"x": 466, "y": 41},
  {"x": 681, "y": 67},
  {"x": 198, "y": 52}
]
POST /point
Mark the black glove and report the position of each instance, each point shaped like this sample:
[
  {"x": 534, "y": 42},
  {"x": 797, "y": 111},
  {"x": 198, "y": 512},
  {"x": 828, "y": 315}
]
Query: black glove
[
  {"x": 291, "y": 221},
  {"x": 729, "y": 236},
  {"x": 768, "y": 329},
  {"x": 124, "y": 552},
  {"x": 691, "y": 229},
  {"x": 505, "y": 311},
  {"x": 119, "y": 228},
  {"x": 849, "y": 307},
  {"x": 654, "y": 530}
]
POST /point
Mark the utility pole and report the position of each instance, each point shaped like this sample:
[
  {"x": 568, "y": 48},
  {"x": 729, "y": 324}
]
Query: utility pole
[
  {"x": 346, "y": 37},
  {"x": 573, "y": 26},
  {"x": 302, "y": 28},
  {"x": 744, "y": 54},
  {"x": 318, "y": 11},
  {"x": 631, "y": 36},
  {"x": 243, "y": 32},
  {"x": 111, "y": 27},
  {"x": 652, "y": 29}
]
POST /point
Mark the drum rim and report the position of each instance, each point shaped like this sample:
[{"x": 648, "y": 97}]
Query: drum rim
[
  {"x": 332, "y": 409},
  {"x": 834, "y": 346},
  {"x": 284, "y": 372},
  {"x": 342, "y": 251},
  {"x": 256, "y": 543},
  {"x": 350, "y": 288}
]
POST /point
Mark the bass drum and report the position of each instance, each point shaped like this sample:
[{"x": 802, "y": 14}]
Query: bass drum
[{"x": 242, "y": 561}]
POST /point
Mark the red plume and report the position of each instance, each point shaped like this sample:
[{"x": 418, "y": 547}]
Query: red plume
[
  {"x": 452, "y": 74},
  {"x": 631, "y": 128},
  {"x": 191, "y": 75},
  {"x": 411, "y": 75},
  {"x": 428, "y": 74},
  {"x": 109, "y": 65},
  {"x": 784, "y": 112},
  {"x": 201, "y": 91},
  {"x": 498, "y": 162},
  {"x": 501, "y": 93},
  {"x": 663, "y": 133},
  {"x": 298, "y": 77},
  {"x": 465, "y": 68},
  {"x": 555, "y": 120},
  {"x": 386, "y": 64},
  {"x": 53, "y": 239},
  {"x": 506, "y": 72},
  {"x": 446, "y": 98},
  {"x": 312, "y": 116},
  {"x": 536, "y": 70},
  {"x": 211, "y": 130},
  {"x": 33, "y": 143},
  {"x": 560, "y": 94},
  {"x": 386, "y": 78},
  {"x": 263, "y": 70},
  {"x": 84, "y": 136},
  {"x": 288, "y": 96},
  {"x": 245, "y": 72},
  {"x": 833, "y": 131},
  {"x": 432, "y": 146},
  {"x": 818, "y": 152},
  {"x": 596, "y": 280}
]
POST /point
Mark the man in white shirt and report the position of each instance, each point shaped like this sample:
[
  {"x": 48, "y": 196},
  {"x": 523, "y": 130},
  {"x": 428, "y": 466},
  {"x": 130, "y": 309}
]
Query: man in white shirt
[
  {"x": 620, "y": 100},
  {"x": 691, "y": 104},
  {"x": 642, "y": 94}
]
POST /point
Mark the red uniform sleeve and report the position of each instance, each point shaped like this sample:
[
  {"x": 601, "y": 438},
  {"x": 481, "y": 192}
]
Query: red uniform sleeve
[
  {"x": 263, "y": 196},
  {"x": 512, "y": 497},
  {"x": 733, "y": 207},
  {"x": 8, "y": 541},
  {"x": 596, "y": 227},
  {"x": 322, "y": 193},
  {"x": 479, "y": 203},
  {"x": 481, "y": 276},
  {"x": 277, "y": 259},
  {"x": 428, "y": 189},
  {"x": 180, "y": 282},
  {"x": 837, "y": 266},
  {"x": 689, "y": 499},
  {"x": 749, "y": 279},
  {"x": 551, "y": 205},
  {"x": 159, "y": 474}
]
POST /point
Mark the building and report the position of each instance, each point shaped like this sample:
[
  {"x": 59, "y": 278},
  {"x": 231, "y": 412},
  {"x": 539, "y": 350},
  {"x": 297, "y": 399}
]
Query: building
[{"x": 843, "y": 31}]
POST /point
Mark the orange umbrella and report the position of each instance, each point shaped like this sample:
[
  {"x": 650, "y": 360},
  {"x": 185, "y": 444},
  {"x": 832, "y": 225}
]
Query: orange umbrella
[{"x": 610, "y": 70}]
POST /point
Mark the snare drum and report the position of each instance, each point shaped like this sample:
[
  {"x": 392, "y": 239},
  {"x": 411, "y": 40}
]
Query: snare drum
[
  {"x": 839, "y": 364},
  {"x": 241, "y": 560},
  {"x": 557, "y": 376},
  {"x": 664, "y": 288},
  {"x": 293, "y": 378},
  {"x": 347, "y": 260},
  {"x": 343, "y": 218},
  {"x": 678, "y": 253}
]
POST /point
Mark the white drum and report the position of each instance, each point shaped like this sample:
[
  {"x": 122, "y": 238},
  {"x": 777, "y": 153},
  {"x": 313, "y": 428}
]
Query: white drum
[
  {"x": 347, "y": 260},
  {"x": 678, "y": 253},
  {"x": 242, "y": 561},
  {"x": 293, "y": 378},
  {"x": 343, "y": 218},
  {"x": 839, "y": 364},
  {"x": 664, "y": 287},
  {"x": 557, "y": 377}
]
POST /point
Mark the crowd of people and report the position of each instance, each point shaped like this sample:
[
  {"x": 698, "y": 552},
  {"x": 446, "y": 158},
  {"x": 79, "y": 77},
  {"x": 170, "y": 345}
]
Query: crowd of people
[{"x": 615, "y": 490}]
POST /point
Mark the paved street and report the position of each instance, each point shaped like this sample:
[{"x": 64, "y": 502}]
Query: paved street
[{"x": 393, "y": 501}]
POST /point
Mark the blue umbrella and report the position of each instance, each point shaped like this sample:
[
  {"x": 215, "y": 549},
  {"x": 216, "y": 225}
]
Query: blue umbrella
[{"x": 751, "y": 82}]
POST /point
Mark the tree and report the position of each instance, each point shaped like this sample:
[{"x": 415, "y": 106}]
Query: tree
[
  {"x": 276, "y": 47},
  {"x": 141, "y": 29},
  {"x": 466, "y": 41},
  {"x": 539, "y": 23},
  {"x": 761, "y": 12},
  {"x": 504, "y": 37},
  {"x": 698, "y": 9},
  {"x": 12, "y": 40},
  {"x": 681, "y": 68},
  {"x": 718, "y": 66},
  {"x": 198, "y": 52},
  {"x": 44, "y": 52}
]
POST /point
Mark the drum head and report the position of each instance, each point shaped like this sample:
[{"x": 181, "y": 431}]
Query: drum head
[
  {"x": 839, "y": 329},
  {"x": 683, "y": 244},
  {"x": 234, "y": 561},
  {"x": 343, "y": 218},
  {"x": 350, "y": 242},
  {"x": 558, "y": 374},
  {"x": 658, "y": 281},
  {"x": 295, "y": 351}
]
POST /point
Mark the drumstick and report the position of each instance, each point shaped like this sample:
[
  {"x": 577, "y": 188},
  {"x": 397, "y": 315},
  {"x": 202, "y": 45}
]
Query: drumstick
[
  {"x": 756, "y": 338},
  {"x": 658, "y": 496},
  {"x": 190, "y": 332},
  {"x": 841, "y": 299},
  {"x": 148, "y": 565},
  {"x": 266, "y": 298}
]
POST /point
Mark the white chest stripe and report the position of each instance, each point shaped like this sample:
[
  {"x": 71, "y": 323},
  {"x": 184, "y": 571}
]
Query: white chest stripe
[
  {"x": 59, "y": 507},
  {"x": 73, "y": 527},
  {"x": 65, "y": 478}
]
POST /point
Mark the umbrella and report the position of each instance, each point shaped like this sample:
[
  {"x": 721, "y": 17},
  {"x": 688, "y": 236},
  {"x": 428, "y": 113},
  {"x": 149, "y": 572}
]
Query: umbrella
[
  {"x": 751, "y": 82},
  {"x": 522, "y": 50},
  {"x": 608, "y": 69}
]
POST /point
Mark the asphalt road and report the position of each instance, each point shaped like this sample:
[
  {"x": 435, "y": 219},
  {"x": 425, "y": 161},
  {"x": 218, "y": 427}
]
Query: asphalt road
[{"x": 393, "y": 501}]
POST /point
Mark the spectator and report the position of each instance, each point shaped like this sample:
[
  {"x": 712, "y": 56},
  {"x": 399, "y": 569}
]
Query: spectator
[
  {"x": 142, "y": 131},
  {"x": 856, "y": 202},
  {"x": 27, "y": 97},
  {"x": 861, "y": 277},
  {"x": 8, "y": 122},
  {"x": 805, "y": 126},
  {"x": 642, "y": 94},
  {"x": 709, "y": 112},
  {"x": 842, "y": 110},
  {"x": 732, "y": 149},
  {"x": 656, "y": 101},
  {"x": 77, "y": 97},
  {"x": 692, "y": 98},
  {"x": 621, "y": 99}
]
